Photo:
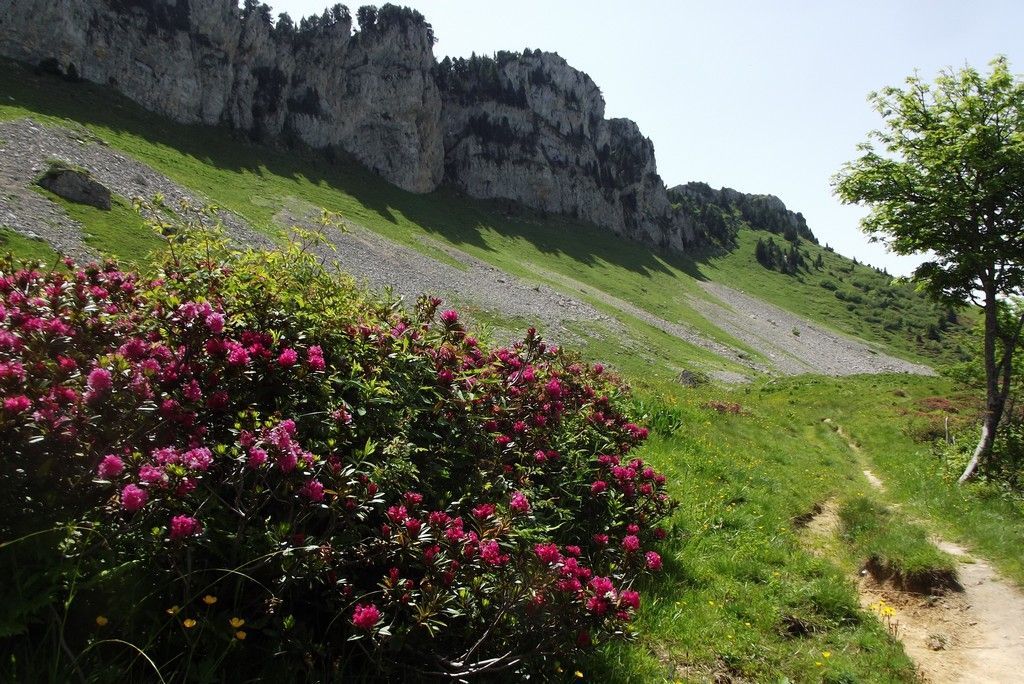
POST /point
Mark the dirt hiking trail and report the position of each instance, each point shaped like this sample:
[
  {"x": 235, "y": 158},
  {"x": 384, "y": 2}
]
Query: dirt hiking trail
[{"x": 973, "y": 636}]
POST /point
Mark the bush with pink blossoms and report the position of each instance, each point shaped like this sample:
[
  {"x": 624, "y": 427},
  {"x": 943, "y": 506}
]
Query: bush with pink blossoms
[{"x": 246, "y": 444}]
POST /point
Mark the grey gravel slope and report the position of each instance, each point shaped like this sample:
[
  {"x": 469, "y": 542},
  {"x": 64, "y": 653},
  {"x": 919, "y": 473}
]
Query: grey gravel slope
[{"x": 26, "y": 147}]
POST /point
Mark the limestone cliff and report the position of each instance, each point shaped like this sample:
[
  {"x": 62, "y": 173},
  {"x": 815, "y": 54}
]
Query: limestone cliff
[
  {"x": 520, "y": 126},
  {"x": 529, "y": 127},
  {"x": 206, "y": 61}
]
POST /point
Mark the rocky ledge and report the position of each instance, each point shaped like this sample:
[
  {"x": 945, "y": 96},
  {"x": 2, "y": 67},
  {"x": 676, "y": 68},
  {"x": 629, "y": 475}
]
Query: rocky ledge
[{"x": 525, "y": 127}]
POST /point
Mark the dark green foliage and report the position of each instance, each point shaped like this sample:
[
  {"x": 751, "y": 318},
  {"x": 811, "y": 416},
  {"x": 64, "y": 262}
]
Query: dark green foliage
[
  {"x": 944, "y": 181},
  {"x": 721, "y": 213},
  {"x": 770, "y": 255},
  {"x": 481, "y": 78},
  {"x": 374, "y": 20}
]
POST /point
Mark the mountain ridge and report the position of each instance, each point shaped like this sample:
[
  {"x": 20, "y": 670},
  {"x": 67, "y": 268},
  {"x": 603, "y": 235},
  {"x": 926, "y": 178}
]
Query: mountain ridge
[{"x": 525, "y": 127}]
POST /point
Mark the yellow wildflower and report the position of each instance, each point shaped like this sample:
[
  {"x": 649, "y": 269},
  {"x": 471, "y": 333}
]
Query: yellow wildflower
[
  {"x": 101, "y": 620},
  {"x": 240, "y": 635},
  {"x": 209, "y": 599},
  {"x": 826, "y": 654},
  {"x": 236, "y": 622},
  {"x": 173, "y": 610},
  {"x": 189, "y": 623}
]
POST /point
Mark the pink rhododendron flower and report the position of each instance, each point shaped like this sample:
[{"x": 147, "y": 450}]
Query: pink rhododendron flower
[
  {"x": 237, "y": 355},
  {"x": 110, "y": 466},
  {"x": 597, "y": 605},
  {"x": 365, "y": 617},
  {"x": 287, "y": 358},
  {"x": 184, "y": 526},
  {"x": 631, "y": 543},
  {"x": 191, "y": 391},
  {"x": 601, "y": 539},
  {"x": 438, "y": 519},
  {"x": 215, "y": 323},
  {"x": 313, "y": 490},
  {"x": 598, "y": 486},
  {"x": 218, "y": 401},
  {"x": 653, "y": 561},
  {"x": 484, "y": 510},
  {"x": 548, "y": 553},
  {"x": 257, "y": 457},
  {"x": 519, "y": 503},
  {"x": 315, "y": 358},
  {"x": 133, "y": 498},
  {"x": 14, "y": 369},
  {"x": 491, "y": 554},
  {"x": 602, "y": 586},
  {"x": 286, "y": 462},
  {"x": 17, "y": 403},
  {"x": 630, "y": 598},
  {"x": 151, "y": 474},
  {"x": 198, "y": 459},
  {"x": 100, "y": 380}
]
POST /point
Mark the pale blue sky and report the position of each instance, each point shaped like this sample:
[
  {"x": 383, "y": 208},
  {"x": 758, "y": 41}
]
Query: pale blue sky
[{"x": 764, "y": 97}]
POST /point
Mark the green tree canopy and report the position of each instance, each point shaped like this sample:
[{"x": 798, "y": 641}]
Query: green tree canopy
[{"x": 945, "y": 177}]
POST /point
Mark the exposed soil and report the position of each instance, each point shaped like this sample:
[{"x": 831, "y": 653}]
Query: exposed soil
[
  {"x": 976, "y": 635},
  {"x": 970, "y": 630},
  {"x": 382, "y": 263}
]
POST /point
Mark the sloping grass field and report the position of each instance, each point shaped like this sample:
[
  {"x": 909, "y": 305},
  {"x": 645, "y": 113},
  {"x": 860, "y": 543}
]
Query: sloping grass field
[{"x": 741, "y": 595}]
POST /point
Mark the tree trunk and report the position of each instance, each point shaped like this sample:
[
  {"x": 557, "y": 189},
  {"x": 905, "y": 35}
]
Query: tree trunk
[
  {"x": 998, "y": 375},
  {"x": 993, "y": 397},
  {"x": 988, "y": 435}
]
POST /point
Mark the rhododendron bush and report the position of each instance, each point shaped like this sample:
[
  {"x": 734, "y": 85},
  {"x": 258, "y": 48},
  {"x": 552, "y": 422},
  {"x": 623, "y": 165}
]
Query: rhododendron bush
[{"x": 246, "y": 463}]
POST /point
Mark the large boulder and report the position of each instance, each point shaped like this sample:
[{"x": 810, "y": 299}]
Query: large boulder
[{"x": 75, "y": 185}]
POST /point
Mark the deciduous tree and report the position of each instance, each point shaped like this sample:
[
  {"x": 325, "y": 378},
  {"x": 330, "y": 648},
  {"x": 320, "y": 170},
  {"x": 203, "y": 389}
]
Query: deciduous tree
[{"x": 945, "y": 178}]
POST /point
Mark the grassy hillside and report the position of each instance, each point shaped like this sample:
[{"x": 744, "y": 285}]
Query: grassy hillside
[
  {"x": 848, "y": 296},
  {"x": 743, "y": 595},
  {"x": 256, "y": 183}
]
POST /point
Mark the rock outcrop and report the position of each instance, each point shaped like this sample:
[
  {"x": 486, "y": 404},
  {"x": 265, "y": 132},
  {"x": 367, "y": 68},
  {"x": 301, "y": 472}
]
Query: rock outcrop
[
  {"x": 370, "y": 93},
  {"x": 718, "y": 214},
  {"x": 524, "y": 126},
  {"x": 528, "y": 127},
  {"x": 75, "y": 185}
]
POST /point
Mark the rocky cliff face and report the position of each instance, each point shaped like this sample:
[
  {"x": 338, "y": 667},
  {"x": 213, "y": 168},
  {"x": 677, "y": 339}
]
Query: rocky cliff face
[
  {"x": 205, "y": 61},
  {"x": 530, "y": 128},
  {"x": 525, "y": 127}
]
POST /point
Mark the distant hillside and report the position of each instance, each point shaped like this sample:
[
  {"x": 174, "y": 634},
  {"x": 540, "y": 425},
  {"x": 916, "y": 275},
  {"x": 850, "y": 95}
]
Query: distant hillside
[
  {"x": 650, "y": 311},
  {"x": 525, "y": 127},
  {"x": 720, "y": 214}
]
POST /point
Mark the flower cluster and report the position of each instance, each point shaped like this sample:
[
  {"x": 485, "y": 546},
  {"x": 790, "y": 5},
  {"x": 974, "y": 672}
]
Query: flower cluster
[{"x": 344, "y": 456}]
